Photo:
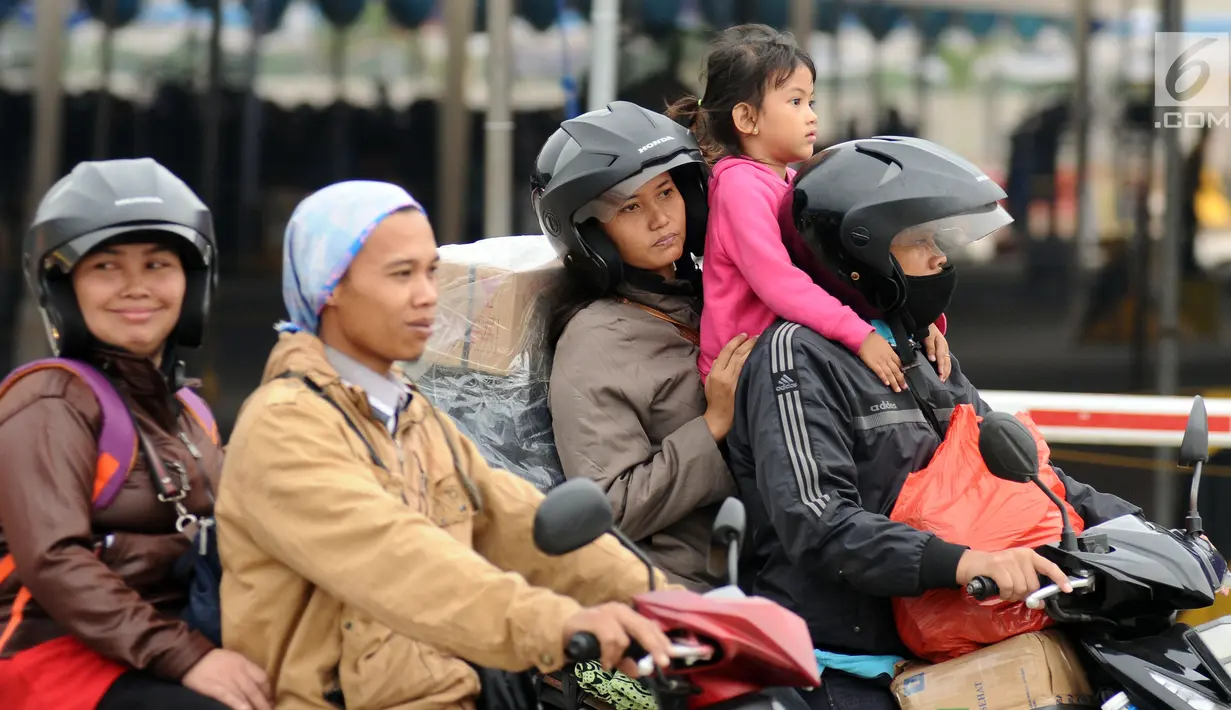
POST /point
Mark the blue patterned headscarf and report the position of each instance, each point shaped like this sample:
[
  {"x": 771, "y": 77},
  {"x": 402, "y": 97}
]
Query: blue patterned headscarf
[{"x": 325, "y": 233}]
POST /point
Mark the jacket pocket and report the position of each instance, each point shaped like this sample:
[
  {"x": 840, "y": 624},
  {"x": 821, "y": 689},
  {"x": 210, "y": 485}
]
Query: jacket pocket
[
  {"x": 143, "y": 561},
  {"x": 381, "y": 669},
  {"x": 452, "y": 510}
]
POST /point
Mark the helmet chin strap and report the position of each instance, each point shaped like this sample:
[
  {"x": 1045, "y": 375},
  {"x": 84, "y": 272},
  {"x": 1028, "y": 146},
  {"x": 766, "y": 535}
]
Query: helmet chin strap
[
  {"x": 172, "y": 368},
  {"x": 930, "y": 397},
  {"x": 902, "y": 325}
]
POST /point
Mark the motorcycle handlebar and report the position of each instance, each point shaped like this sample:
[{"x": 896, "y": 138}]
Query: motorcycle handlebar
[
  {"x": 583, "y": 647},
  {"x": 983, "y": 588}
]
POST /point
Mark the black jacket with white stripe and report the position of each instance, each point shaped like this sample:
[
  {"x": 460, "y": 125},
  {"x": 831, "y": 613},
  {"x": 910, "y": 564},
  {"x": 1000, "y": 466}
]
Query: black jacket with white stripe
[{"x": 820, "y": 449}]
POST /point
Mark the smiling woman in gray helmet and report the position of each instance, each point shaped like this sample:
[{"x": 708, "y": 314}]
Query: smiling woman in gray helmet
[
  {"x": 121, "y": 259},
  {"x": 621, "y": 192}
]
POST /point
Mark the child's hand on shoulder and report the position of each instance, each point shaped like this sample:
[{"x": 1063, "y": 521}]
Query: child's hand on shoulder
[
  {"x": 880, "y": 357},
  {"x": 937, "y": 349}
]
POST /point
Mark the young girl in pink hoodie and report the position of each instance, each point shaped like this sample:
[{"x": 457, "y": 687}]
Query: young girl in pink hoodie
[{"x": 755, "y": 119}]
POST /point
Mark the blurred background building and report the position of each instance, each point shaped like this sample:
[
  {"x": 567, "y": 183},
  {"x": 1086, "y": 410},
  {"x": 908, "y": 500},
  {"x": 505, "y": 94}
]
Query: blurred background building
[{"x": 1114, "y": 278}]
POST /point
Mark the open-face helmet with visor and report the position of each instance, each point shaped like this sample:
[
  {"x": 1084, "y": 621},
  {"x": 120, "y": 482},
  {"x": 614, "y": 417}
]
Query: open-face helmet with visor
[
  {"x": 853, "y": 201},
  {"x": 593, "y": 164},
  {"x": 109, "y": 202}
]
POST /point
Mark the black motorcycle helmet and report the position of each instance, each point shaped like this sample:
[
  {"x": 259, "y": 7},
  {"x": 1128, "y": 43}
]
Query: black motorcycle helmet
[
  {"x": 114, "y": 201},
  {"x": 592, "y": 164},
  {"x": 854, "y": 200}
]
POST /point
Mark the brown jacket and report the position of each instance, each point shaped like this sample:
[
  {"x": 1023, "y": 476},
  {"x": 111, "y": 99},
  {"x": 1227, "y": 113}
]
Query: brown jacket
[
  {"x": 119, "y": 599},
  {"x": 342, "y": 576},
  {"x": 627, "y": 410}
]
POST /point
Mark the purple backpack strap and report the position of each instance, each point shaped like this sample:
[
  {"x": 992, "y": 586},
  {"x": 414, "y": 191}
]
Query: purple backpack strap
[
  {"x": 200, "y": 411},
  {"x": 117, "y": 436}
]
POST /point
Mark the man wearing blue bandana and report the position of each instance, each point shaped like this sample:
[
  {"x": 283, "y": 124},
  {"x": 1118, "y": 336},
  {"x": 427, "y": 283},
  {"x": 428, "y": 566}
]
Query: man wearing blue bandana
[{"x": 372, "y": 559}]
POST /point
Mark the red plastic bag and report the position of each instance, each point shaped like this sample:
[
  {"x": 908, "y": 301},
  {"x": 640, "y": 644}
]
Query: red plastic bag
[{"x": 957, "y": 498}]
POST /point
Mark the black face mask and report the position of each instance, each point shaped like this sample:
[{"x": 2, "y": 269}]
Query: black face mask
[{"x": 927, "y": 297}]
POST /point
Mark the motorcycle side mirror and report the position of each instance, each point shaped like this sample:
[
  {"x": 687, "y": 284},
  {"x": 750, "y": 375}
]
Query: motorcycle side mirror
[
  {"x": 1194, "y": 452},
  {"x": 1010, "y": 453},
  {"x": 726, "y": 540},
  {"x": 1195, "y": 447},
  {"x": 1007, "y": 448},
  {"x": 575, "y": 514}
]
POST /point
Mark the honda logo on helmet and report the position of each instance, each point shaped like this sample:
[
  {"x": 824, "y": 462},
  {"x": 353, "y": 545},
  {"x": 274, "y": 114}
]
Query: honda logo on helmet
[{"x": 651, "y": 144}]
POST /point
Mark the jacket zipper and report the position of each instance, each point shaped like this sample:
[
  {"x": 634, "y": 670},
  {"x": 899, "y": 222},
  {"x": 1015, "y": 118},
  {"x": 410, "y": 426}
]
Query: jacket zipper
[
  {"x": 422, "y": 472},
  {"x": 397, "y": 448},
  {"x": 402, "y": 470},
  {"x": 192, "y": 448},
  {"x": 202, "y": 522}
]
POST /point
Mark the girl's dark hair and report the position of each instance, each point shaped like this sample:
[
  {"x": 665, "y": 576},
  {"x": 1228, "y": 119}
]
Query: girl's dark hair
[
  {"x": 576, "y": 292},
  {"x": 743, "y": 63},
  {"x": 571, "y": 297}
]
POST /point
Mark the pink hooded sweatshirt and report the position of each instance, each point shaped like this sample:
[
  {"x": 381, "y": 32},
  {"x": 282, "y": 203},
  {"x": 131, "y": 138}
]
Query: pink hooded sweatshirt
[{"x": 748, "y": 278}]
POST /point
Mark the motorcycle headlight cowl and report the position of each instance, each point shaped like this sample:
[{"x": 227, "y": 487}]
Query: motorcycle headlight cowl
[{"x": 1196, "y": 699}]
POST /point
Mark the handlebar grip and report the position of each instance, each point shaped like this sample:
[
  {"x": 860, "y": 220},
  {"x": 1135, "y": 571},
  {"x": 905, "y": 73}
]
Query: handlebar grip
[
  {"x": 635, "y": 651},
  {"x": 983, "y": 588},
  {"x": 582, "y": 647}
]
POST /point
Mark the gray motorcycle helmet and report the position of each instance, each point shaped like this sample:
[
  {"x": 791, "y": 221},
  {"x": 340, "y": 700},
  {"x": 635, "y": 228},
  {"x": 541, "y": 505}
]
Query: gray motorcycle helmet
[
  {"x": 107, "y": 202},
  {"x": 593, "y": 163}
]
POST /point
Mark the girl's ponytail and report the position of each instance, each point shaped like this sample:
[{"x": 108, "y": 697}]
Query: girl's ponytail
[
  {"x": 688, "y": 112},
  {"x": 685, "y": 111}
]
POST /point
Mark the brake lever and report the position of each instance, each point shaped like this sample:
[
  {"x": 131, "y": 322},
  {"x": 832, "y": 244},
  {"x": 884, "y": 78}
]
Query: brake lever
[
  {"x": 689, "y": 655},
  {"x": 1040, "y": 596}
]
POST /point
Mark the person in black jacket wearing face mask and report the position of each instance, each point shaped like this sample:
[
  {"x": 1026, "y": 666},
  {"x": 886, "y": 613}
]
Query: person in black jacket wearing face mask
[{"x": 820, "y": 447}]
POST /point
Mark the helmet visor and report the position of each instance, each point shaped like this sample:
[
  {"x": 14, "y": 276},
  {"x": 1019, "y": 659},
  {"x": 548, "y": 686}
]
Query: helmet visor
[
  {"x": 949, "y": 235},
  {"x": 187, "y": 241},
  {"x": 605, "y": 207}
]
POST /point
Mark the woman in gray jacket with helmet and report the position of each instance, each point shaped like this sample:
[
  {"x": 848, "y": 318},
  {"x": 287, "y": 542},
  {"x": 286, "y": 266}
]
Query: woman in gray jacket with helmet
[{"x": 621, "y": 192}]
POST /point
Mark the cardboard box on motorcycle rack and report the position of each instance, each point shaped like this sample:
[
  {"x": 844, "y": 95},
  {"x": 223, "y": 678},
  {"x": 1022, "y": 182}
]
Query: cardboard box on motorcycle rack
[
  {"x": 488, "y": 362},
  {"x": 495, "y": 297},
  {"x": 1033, "y": 671}
]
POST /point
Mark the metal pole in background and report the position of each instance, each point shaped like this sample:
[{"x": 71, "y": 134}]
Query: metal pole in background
[
  {"x": 211, "y": 110},
  {"x": 926, "y": 49},
  {"x": 211, "y": 139},
  {"x": 835, "y": 80},
  {"x": 802, "y": 22},
  {"x": 604, "y": 53},
  {"x": 1172, "y": 15},
  {"x": 498, "y": 131},
  {"x": 106, "y": 50},
  {"x": 453, "y": 157},
  {"x": 339, "y": 112},
  {"x": 250, "y": 226},
  {"x": 1087, "y": 238},
  {"x": 1084, "y": 254},
  {"x": 50, "y": 19}
]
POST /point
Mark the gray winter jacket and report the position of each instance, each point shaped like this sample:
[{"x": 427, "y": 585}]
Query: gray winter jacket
[{"x": 627, "y": 406}]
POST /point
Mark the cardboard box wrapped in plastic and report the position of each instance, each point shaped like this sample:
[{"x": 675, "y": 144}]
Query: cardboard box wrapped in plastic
[
  {"x": 488, "y": 362},
  {"x": 495, "y": 297},
  {"x": 1033, "y": 671}
]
